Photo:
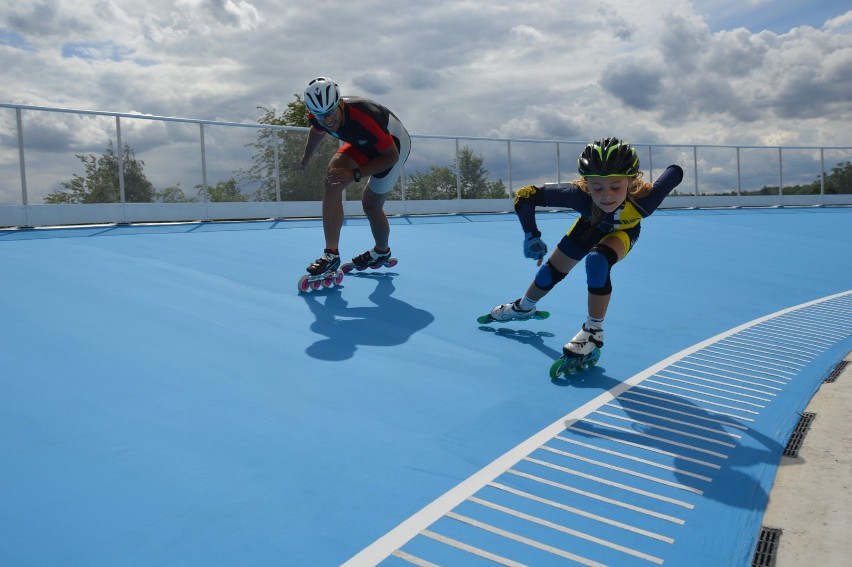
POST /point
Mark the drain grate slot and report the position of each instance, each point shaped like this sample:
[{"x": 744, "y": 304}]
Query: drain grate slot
[
  {"x": 766, "y": 553},
  {"x": 838, "y": 370},
  {"x": 798, "y": 436}
]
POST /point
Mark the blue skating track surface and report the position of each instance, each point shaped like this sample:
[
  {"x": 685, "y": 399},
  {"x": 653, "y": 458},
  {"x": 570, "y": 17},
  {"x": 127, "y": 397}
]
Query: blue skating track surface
[{"x": 167, "y": 397}]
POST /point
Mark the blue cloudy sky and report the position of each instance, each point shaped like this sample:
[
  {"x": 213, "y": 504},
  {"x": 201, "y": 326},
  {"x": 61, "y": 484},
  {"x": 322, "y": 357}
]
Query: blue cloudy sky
[{"x": 762, "y": 72}]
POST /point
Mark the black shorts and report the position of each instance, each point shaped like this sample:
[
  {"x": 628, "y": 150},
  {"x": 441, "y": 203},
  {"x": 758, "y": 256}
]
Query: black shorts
[{"x": 583, "y": 236}]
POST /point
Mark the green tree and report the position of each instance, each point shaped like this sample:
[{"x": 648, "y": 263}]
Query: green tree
[
  {"x": 473, "y": 178},
  {"x": 173, "y": 194},
  {"x": 296, "y": 185},
  {"x": 101, "y": 181},
  {"x": 223, "y": 192},
  {"x": 440, "y": 181},
  {"x": 839, "y": 181}
]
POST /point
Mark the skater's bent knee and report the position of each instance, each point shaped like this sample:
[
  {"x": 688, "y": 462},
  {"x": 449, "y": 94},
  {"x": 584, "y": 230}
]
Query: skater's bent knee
[
  {"x": 599, "y": 263},
  {"x": 548, "y": 276}
]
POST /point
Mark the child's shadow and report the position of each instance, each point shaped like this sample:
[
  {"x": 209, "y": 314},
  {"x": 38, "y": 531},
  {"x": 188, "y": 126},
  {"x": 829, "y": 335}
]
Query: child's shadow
[
  {"x": 532, "y": 338},
  {"x": 388, "y": 322}
]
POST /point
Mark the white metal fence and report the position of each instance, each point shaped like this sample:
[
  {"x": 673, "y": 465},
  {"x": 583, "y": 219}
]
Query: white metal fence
[{"x": 41, "y": 147}]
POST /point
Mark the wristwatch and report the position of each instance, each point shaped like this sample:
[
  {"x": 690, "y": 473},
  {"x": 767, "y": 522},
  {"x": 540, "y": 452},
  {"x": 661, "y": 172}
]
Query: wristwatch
[{"x": 356, "y": 173}]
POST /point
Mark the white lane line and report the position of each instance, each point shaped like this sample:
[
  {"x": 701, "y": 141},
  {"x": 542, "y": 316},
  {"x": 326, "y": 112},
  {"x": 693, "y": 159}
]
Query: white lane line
[
  {"x": 633, "y": 458},
  {"x": 680, "y": 412},
  {"x": 723, "y": 378},
  {"x": 471, "y": 549},
  {"x": 636, "y": 392},
  {"x": 742, "y": 366},
  {"x": 598, "y": 497},
  {"x": 635, "y": 411},
  {"x": 415, "y": 524},
  {"x": 771, "y": 359},
  {"x": 412, "y": 559},
  {"x": 524, "y": 540},
  {"x": 613, "y": 484},
  {"x": 565, "y": 530},
  {"x": 763, "y": 346},
  {"x": 623, "y": 470},
  {"x": 650, "y": 425},
  {"x": 642, "y": 446},
  {"x": 579, "y": 512},
  {"x": 703, "y": 393},
  {"x": 656, "y": 438},
  {"x": 664, "y": 374}
]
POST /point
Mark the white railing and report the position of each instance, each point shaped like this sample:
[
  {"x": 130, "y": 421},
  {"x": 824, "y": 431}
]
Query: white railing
[{"x": 40, "y": 148}]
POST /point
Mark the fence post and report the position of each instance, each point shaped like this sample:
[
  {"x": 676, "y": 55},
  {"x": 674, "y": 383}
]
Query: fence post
[
  {"x": 739, "y": 174},
  {"x": 122, "y": 197},
  {"x": 24, "y": 200},
  {"x": 509, "y": 154},
  {"x": 204, "y": 174},
  {"x": 558, "y": 166},
  {"x": 651, "y": 162},
  {"x": 695, "y": 167},
  {"x": 458, "y": 172}
]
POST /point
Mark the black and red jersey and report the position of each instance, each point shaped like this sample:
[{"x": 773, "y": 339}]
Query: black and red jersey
[{"x": 368, "y": 126}]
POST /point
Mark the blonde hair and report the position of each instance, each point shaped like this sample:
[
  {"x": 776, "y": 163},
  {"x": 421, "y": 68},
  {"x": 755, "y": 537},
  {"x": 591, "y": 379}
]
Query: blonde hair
[{"x": 637, "y": 189}]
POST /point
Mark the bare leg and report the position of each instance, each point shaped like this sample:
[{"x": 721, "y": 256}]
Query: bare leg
[
  {"x": 374, "y": 209},
  {"x": 332, "y": 216},
  {"x": 332, "y": 201}
]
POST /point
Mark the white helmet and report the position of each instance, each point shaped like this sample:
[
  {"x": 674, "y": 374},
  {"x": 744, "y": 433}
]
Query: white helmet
[{"x": 322, "y": 95}]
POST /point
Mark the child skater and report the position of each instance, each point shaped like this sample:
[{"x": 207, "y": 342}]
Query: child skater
[{"x": 612, "y": 199}]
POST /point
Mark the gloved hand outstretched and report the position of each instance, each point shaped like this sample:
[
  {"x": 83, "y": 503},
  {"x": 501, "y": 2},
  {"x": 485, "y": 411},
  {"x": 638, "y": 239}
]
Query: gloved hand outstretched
[{"x": 534, "y": 246}]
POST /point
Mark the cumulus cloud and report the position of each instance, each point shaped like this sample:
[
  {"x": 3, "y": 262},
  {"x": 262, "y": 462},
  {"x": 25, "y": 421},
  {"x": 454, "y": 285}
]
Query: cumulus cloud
[{"x": 661, "y": 73}]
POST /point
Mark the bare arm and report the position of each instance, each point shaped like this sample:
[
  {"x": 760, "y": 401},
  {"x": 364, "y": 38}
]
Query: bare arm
[{"x": 314, "y": 138}]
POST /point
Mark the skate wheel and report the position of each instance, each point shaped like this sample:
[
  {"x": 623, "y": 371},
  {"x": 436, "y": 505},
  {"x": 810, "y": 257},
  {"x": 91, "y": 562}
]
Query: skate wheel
[
  {"x": 328, "y": 281},
  {"x": 338, "y": 278},
  {"x": 360, "y": 268},
  {"x": 304, "y": 284},
  {"x": 556, "y": 369},
  {"x": 316, "y": 284},
  {"x": 346, "y": 268},
  {"x": 391, "y": 263},
  {"x": 595, "y": 357}
]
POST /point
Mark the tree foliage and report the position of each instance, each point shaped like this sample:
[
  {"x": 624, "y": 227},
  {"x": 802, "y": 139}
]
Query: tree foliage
[
  {"x": 223, "y": 192},
  {"x": 100, "y": 184},
  {"x": 440, "y": 181},
  {"x": 295, "y": 184}
]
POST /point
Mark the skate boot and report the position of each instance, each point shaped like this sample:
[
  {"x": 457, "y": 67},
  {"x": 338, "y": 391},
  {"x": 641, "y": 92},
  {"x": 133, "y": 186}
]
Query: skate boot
[
  {"x": 327, "y": 262},
  {"x": 511, "y": 312},
  {"x": 322, "y": 272},
  {"x": 578, "y": 353},
  {"x": 370, "y": 259},
  {"x": 584, "y": 342}
]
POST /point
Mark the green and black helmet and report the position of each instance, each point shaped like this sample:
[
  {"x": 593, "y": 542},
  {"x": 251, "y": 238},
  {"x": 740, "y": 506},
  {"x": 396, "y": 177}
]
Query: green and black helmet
[{"x": 608, "y": 157}]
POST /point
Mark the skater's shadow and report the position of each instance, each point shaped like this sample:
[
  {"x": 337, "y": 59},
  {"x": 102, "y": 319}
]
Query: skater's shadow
[
  {"x": 714, "y": 452},
  {"x": 388, "y": 322},
  {"x": 532, "y": 338}
]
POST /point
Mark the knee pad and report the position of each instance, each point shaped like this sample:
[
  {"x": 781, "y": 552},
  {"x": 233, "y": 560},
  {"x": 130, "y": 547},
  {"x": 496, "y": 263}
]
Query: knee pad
[
  {"x": 599, "y": 262},
  {"x": 548, "y": 276}
]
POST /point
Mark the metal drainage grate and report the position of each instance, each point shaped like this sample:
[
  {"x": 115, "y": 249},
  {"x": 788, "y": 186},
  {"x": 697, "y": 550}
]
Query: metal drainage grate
[
  {"x": 798, "y": 436},
  {"x": 838, "y": 370},
  {"x": 767, "y": 547}
]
